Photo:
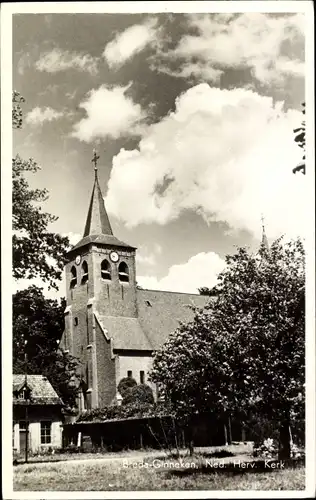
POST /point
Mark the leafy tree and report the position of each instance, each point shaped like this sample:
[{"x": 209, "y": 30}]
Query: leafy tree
[
  {"x": 139, "y": 394},
  {"x": 244, "y": 353},
  {"x": 300, "y": 140},
  {"x": 204, "y": 290},
  {"x": 17, "y": 114},
  {"x": 38, "y": 324},
  {"x": 125, "y": 385},
  {"x": 37, "y": 252}
]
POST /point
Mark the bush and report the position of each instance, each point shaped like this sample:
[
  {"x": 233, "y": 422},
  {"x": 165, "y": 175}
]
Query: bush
[
  {"x": 269, "y": 449},
  {"x": 133, "y": 409},
  {"x": 139, "y": 394},
  {"x": 125, "y": 385}
]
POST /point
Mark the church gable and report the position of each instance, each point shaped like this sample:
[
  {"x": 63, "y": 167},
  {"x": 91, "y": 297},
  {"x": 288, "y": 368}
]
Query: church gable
[{"x": 126, "y": 333}]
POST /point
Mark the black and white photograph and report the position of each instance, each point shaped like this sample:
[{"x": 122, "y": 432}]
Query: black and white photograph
[{"x": 158, "y": 249}]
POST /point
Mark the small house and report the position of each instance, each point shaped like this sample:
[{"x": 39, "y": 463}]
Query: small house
[{"x": 36, "y": 413}]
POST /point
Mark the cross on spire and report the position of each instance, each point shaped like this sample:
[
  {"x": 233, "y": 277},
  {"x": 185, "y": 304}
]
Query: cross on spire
[{"x": 95, "y": 160}]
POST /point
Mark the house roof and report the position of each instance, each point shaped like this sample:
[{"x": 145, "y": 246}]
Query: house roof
[
  {"x": 42, "y": 391},
  {"x": 126, "y": 333},
  {"x": 160, "y": 312}
]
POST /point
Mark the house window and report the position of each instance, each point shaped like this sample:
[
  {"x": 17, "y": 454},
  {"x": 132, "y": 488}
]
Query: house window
[
  {"x": 76, "y": 321},
  {"x": 142, "y": 377},
  {"x": 22, "y": 425},
  {"x": 123, "y": 272},
  {"x": 73, "y": 279},
  {"x": 129, "y": 373},
  {"x": 106, "y": 270},
  {"x": 84, "y": 272},
  {"x": 24, "y": 393},
  {"x": 46, "y": 432}
]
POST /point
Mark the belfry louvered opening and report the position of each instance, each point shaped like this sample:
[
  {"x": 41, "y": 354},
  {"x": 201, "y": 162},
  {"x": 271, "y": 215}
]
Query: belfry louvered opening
[
  {"x": 106, "y": 270},
  {"x": 123, "y": 272},
  {"x": 84, "y": 272},
  {"x": 73, "y": 279}
]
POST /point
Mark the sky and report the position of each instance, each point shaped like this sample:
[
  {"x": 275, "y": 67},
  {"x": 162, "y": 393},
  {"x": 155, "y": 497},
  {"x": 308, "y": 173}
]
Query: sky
[{"x": 192, "y": 116}]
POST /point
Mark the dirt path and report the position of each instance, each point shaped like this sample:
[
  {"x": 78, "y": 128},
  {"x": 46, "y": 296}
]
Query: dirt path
[
  {"x": 111, "y": 458},
  {"x": 132, "y": 457}
]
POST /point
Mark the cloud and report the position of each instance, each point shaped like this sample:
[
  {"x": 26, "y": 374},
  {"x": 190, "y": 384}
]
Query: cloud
[
  {"x": 25, "y": 62},
  {"x": 226, "y": 154},
  {"x": 51, "y": 293},
  {"x": 192, "y": 71},
  {"x": 74, "y": 238},
  {"x": 272, "y": 47},
  {"x": 57, "y": 60},
  {"x": 200, "y": 270},
  {"x": 110, "y": 112},
  {"x": 145, "y": 257},
  {"x": 38, "y": 116},
  {"x": 130, "y": 42}
]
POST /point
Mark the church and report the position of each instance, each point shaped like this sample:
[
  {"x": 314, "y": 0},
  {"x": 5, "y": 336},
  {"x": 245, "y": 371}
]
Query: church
[{"x": 112, "y": 325}]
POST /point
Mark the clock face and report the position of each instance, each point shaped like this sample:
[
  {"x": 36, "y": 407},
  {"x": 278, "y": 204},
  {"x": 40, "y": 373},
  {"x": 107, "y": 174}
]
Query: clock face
[
  {"x": 78, "y": 259},
  {"x": 114, "y": 257}
]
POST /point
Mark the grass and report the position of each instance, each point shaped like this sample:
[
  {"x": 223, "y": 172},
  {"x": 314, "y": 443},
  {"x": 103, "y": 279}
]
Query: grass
[
  {"x": 156, "y": 473},
  {"x": 216, "y": 451}
]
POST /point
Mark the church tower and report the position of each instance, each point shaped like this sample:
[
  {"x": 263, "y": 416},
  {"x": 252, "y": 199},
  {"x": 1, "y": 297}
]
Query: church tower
[{"x": 101, "y": 282}]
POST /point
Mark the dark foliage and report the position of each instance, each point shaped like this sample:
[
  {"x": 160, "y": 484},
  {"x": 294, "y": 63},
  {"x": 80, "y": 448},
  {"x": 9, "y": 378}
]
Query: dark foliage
[
  {"x": 125, "y": 385},
  {"x": 139, "y": 394},
  {"x": 38, "y": 324}
]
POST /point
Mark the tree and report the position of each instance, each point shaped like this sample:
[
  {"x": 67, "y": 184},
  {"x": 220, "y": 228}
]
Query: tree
[
  {"x": 244, "y": 353},
  {"x": 37, "y": 252},
  {"x": 125, "y": 385},
  {"x": 300, "y": 140},
  {"x": 204, "y": 290},
  {"x": 38, "y": 324},
  {"x": 139, "y": 394}
]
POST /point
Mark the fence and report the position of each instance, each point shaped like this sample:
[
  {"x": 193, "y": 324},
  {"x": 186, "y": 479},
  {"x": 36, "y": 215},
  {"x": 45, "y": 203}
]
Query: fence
[{"x": 151, "y": 432}]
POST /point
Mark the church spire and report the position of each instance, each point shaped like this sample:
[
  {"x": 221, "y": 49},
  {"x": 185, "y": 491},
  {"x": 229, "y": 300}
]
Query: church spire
[
  {"x": 264, "y": 241},
  {"x": 97, "y": 219}
]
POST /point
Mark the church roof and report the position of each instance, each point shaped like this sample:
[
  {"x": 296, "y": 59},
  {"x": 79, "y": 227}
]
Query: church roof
[
  {"x": 97, "y": 220},
  {"x": 125, "y": 332},
  {"x": 264, "y": 241},
  {"x": 98, "y": 228},
  {"x": 159, "y": 312},
  {"x": 102, "y": 239},
  {"x": 41, "y": 390}
]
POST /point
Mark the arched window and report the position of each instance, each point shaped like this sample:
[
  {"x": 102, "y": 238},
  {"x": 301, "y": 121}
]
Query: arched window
[
  {"x": 105, "y": 270},
  {"x": 73, "y": 279},
  {"x": 123, "y": 272},
  {"x": 84, "y": 272}
]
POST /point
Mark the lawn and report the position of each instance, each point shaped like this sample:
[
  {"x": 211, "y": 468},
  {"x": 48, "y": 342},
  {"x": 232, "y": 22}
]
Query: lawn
[{"x": 202, "y": 472}]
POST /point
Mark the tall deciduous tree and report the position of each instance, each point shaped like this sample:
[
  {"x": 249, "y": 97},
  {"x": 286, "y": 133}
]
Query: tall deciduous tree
[
  {"x": 38, "y": 324},
  {"x": 37, "y": 251},
  {"x": 245, "y": 351}
]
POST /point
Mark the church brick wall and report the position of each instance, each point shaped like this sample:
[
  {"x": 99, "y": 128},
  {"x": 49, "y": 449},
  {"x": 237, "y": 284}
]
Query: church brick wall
[
  {"x": 114, "y": 298},
  {"x": 135, "y": 364},
  {"x": 106, "y": 369}
]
